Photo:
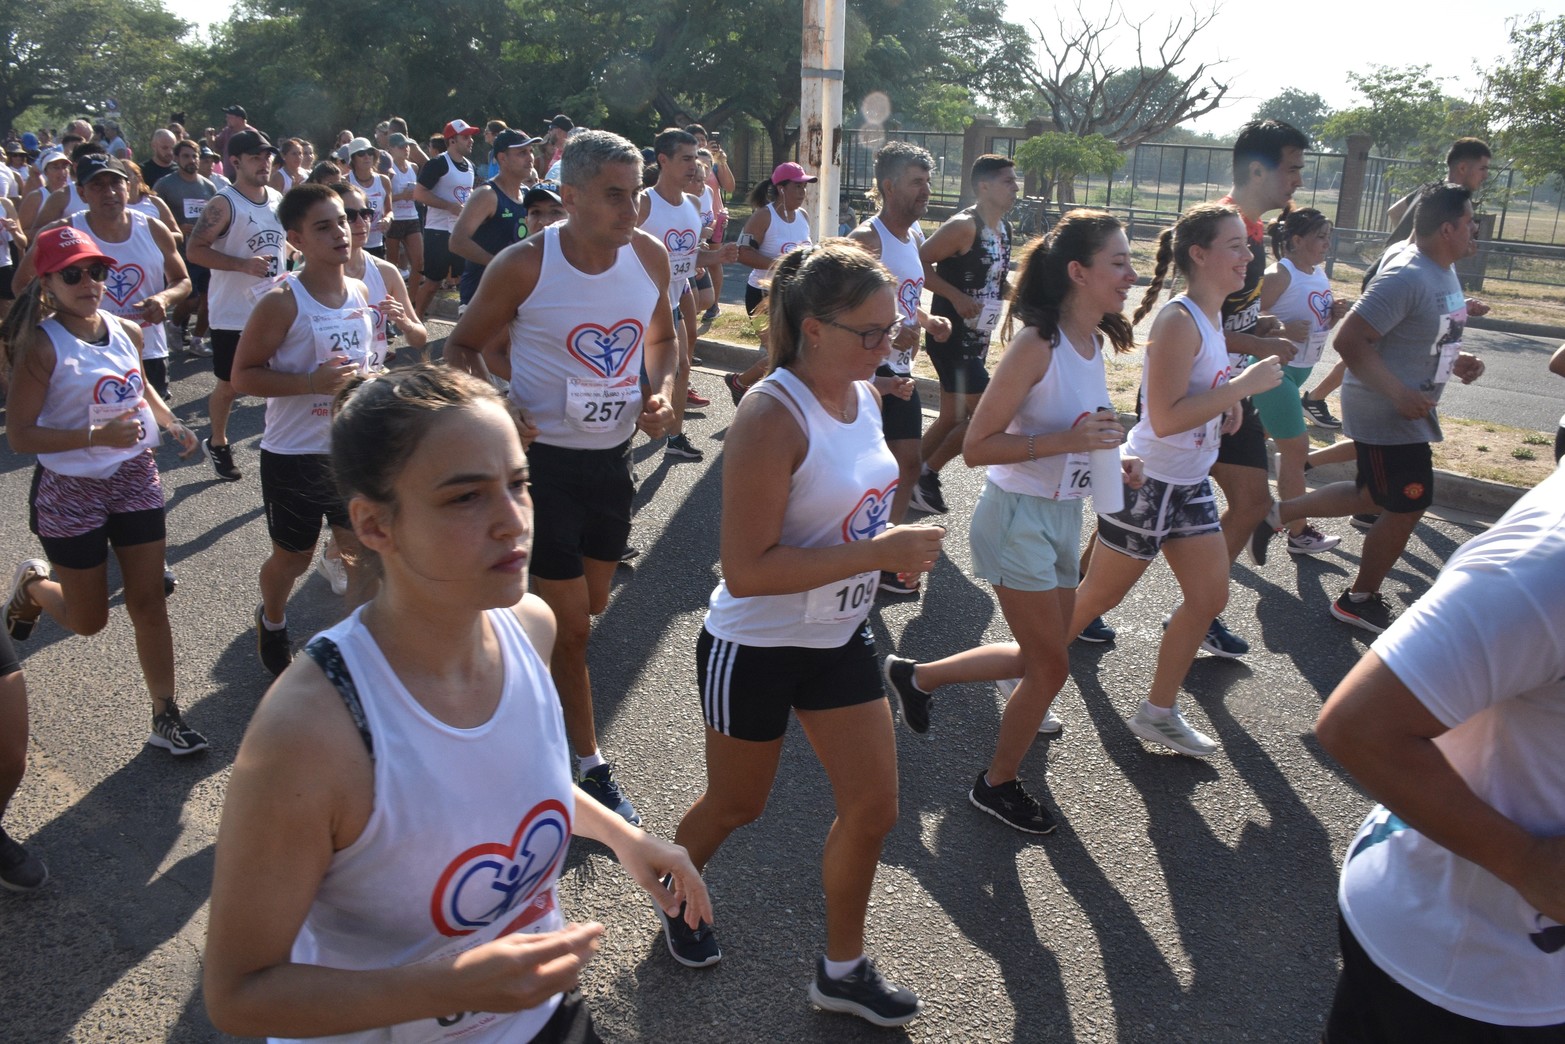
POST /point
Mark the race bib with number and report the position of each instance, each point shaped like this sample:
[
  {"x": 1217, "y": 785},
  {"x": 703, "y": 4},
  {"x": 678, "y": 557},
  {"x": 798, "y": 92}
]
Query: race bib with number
[
  {"x": 193, "y": 208},
  {"x": 841, "y": 600},
  {"x": 681, "y": 267},
  {"x": 988, "y": 318},
  {"x": 1448, "y": 346},
  {"x": 101, "y": 413},
  {"x": 1075, "y": 478},
  {"x": 1309, "y": 354},
  {"x": 599, "y": 404},
  {"x": 350, "y": 332},
  {"x": 901, "y": 360}
]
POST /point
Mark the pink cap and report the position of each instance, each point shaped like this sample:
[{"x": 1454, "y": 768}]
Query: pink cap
[{"x": 791, "y": 171}]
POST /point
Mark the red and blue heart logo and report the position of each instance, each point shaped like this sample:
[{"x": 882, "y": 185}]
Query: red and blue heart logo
[
  {"x": 117, "y": 389},
  {"x": 908, "y": 294},
  {"x": 680, "y": 241},
  {"x": 488, "y": 881},
  {"x": 603, "y": 349},
  {"x": 123, "y": 283},
  {"x": 1320, "y": 305},
  {"x": 870, "y": 515}
]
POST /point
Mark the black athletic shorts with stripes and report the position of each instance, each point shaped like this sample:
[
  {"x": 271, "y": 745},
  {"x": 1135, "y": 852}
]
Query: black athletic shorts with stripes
[{"x": 747, "y": 691}]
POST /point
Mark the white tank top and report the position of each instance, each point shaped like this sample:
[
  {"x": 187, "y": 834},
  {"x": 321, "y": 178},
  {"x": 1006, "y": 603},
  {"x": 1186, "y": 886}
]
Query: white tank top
[
  {"x": 454, "y": 186},
  {"x": 375, "y": 193},
  {"x": 900, "y": 256},
  {"x": 297, "y": 424},
  {"x": 1308, "y": 297},
  {"x": 1072, "y": 389},
  {"x": 841, "y": 491},
  {"x": 93, "y": 384},
  {"x": 678, "y": 227},
  {"x": 576, "y": 345},
  {"x": 74, "y": 204},
  {"x": 253, "y": 231},
  {"x": 781, "y": 237},
  {"x": 288, "y": 179},
  {"x": 145, "y": 206},
  {"x": 1184, "y": 459},
  {"x": 465, "y": 844},
  {"x": 403, "y": 181},
  {"x": 375, "y": 285},
  {"x": 138, "y": 274}
]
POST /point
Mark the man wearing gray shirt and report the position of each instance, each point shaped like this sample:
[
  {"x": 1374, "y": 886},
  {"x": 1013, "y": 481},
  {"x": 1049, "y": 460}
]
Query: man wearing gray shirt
[{"x": 1402, "y": 342}]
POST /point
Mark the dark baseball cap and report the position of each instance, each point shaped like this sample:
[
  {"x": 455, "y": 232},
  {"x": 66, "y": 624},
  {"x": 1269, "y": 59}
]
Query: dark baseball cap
[
  {"x": 95, "y": 163},
  {"x": 235, "y": 110},
  {"x": 250, "y": 143},
  {"x": 513, "y": 139},
  {"x": 561, "y": 121},
  {"x": 543, "y": 192}
]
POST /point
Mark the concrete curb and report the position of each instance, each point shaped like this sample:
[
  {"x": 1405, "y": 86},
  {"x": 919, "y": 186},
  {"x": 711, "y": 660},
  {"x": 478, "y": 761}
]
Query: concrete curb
[
  {"x": 1510, "y": 326},
  {"x": 1453, "y": 492}
]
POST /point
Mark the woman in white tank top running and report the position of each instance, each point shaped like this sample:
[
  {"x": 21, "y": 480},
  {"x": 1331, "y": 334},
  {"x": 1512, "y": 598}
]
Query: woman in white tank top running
[
  {"x": 415, "y": 759},
  {"x": 391, "y": 301}
]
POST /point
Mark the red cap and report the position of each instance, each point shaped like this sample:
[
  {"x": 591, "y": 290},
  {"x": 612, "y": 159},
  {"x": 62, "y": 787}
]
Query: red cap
[
  {"x": 63, "y": 247},
  {"x": 457, "y": 128}
]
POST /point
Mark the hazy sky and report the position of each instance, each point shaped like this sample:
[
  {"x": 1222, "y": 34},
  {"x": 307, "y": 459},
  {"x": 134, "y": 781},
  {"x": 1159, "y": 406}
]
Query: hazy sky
[{"x": 1267, "y": 47}]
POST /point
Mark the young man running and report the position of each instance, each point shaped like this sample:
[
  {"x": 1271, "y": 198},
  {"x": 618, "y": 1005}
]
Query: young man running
[
  {"x": 444, "y": 184},
  {"x": 586, "y": 304},
  {"x": 493, "y": 218}
]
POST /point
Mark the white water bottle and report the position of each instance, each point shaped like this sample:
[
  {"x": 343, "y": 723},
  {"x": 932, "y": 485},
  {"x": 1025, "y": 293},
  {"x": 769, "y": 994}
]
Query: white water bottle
[{"x": 1108, "y": 484}]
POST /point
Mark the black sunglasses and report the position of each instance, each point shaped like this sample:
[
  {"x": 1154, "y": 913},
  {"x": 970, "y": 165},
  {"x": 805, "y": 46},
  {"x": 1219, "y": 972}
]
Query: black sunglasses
[
  {"x": 368, "y": 214},
  {"x": 97, "y": 272}
]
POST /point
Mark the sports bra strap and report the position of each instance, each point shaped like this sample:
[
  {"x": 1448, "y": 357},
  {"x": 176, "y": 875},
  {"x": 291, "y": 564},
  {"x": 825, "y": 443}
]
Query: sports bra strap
[{"x": 329, "y": 659}]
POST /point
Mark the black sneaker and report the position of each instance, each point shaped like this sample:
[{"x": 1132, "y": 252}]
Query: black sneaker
[
  {"x": 1260, "y": 541},
  {"x": 274, "y": 648},
  {"x": 1365, "y": 519},
  {"x": 1318, "y": 412},
  {"x": 1097, "y": 631},
  {"x": 693, "y": 947},
  {"x": 601, "y": 785},
  {"x": 927, "y": 494},
  {"x": 865, "y": 992},
  {"x": 170, "y": 581},
  {"x": 894, "y": 586},
  {"x": 1372, "y": 613},
  {"x": 679, "y": 446},
  {"x": 1012, "y": 805},
  {"x": 222, "y": 458},
  {"x": 735, "y": 389},
  {"x": 913, "y": 701},
  {"x": 170, "y": 732},
  {"x": 20, "y": 870}
]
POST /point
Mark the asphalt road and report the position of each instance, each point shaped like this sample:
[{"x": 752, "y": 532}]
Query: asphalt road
[{"x": 1180, "y": 900}]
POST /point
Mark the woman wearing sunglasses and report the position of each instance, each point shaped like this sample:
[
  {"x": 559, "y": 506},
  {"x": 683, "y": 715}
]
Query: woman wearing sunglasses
[{"x": 79, "y": 401}]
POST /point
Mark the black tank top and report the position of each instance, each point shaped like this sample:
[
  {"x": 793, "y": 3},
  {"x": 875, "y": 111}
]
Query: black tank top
[
  {"x": 969, "y": 272},
  {"x": 505, "y": 226}
]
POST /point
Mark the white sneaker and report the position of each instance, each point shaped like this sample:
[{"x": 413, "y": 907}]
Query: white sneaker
[
  {"x": 174, "y": 334},
  {"x": 1311, "y": 541},
  {"x": 1051, "y": 725},
  {"x": 196, "y": 346},
  {"x": 1173, "y": 732},
  {"x": 330, "y": 566}
]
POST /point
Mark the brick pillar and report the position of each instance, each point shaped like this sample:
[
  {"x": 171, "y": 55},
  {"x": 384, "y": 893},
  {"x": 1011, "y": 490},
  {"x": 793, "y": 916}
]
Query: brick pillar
[
  {"x": 1350, "y": 199},
  {"x": 975, "y": 140}
]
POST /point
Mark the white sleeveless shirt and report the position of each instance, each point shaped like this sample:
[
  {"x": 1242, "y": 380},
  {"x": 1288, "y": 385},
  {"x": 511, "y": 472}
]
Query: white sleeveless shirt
[
  {"x": 781, "y": 237},
  {"x": 576, "y": 345},
  {"x": 253, "y": 231},
  {"x": 298, "y": 424},
  {"x": 288, "y": 179},
  {"x": 900, "y": 256},
  {"x": 403, "y": 181},
  {"x": 375, "y": 193},
  {"x": 841, "y": 492},
  {"x": 1072, "y": 389},
  {"x": 375, "y": 286},
  {"x": 137, "y": 274},
  {"x": 74, "y": 204},
  {"x": 466, "y": 840},
  {"x": 93, "y": 384},
  {"x": 678, "y": 227},
  {"x": 1308, "y": 297},
  {"x": 1185, "y": 458}
]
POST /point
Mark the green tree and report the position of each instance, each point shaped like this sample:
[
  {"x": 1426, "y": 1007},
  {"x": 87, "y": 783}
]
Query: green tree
[
  {"x": 1524, "y": 96},
  {"x": 1303, "y": 109},
  {"x": 1408, "y": 113},
  {"x": 1058, "y": 158}
]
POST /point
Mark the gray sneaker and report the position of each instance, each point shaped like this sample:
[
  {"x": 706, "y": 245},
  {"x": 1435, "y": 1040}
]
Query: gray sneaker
[
  {"x": 1051, "y": 725},
  {"x": 1173, "y": 732}
]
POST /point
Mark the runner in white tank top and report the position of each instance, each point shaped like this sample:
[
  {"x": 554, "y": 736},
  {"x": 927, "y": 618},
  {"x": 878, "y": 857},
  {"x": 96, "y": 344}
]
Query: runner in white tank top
[
  {"x": 377, "y": 190},
  {"x": 587, "y": 306},
  {"x": 785, "y": 632},
  {"x": 777, "y": 224},
  {"x": 388, "y": 295},
  {"x": 440, "y": 809}
]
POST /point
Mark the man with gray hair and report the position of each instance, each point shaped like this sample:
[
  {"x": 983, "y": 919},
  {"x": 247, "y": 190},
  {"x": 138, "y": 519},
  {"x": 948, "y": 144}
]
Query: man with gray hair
[{"x": 586, "y": 304}]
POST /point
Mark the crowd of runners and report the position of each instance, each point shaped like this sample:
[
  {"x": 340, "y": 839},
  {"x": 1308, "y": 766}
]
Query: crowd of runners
[{"x": 448, "y": 490}]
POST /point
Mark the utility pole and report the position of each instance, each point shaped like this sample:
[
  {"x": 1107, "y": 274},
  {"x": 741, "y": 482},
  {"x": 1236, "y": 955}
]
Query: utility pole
[{"x": 820, "y": 110}]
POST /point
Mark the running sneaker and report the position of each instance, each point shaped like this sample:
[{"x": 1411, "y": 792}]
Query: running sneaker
[
  {"x": 693, "y": 947},
  {"x": 1219, "y": 640},
  {"x": 927, "y": 494},
  {"x": 198, "y": 347},
  {"x": 1372, "y": 613},
  {"x": 894, "y": 586},
  {"x": 173, "y": 333},
  {"x": 1012, "y": 805},
  {"x": 696, "y": 399},
  {"x": 21, "y": 612},
  {"x": 602, "y": 787},
  {"x": 679, "y": 446},
  {"x": 170, "y": 581},
  {"x": 273, "y": 647},
  {"x": 735, "y": 389},
  {"x": 222, "y": 458},
  {"x": 1365, "y": 519},
  {"x": 912, "y": 701},
  {"x": 1173, "y": 732},
  {"x": 331, "y": 568},
  {"x": 170, "y": 732},
  {"x": 710, "y": 313},
  {"x": 20, "y": 870},
  {"x": 866, "y": 993},
  {"x": 1311, "y": 541},
  {"x": 1318, "y": 412},
  {"x": 1097, "y": 631},
  {"x": 1051, "y": 725}
]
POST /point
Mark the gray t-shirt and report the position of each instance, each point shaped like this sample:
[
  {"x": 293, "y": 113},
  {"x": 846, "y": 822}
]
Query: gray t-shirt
[
  {"x": 1418, "y": 308},
  {"x": 185, "y": 198}
]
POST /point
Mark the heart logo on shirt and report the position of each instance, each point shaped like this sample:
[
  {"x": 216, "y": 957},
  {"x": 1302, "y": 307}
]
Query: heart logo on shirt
[
  {"x": 605, "y": 350},
  {"x": 870, "y": 515},
  {"x": 908, "y": 294},
  {"x": 114, "y": 389},
  {"x": 1320, "y": 305},
  {"x": 679, "y": 240},
  {"x": 123, "y": 282},
  {"x": 488, "y": 881}
]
